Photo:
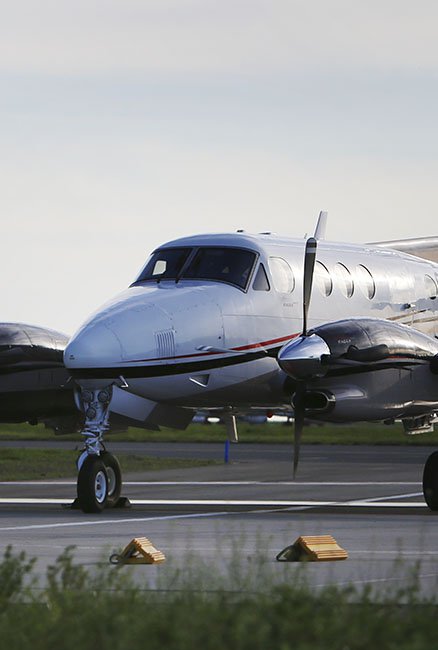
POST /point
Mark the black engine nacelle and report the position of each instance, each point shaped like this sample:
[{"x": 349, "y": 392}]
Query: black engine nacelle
[
  {"x": 369, "y": 340},
  {"x": 356, "y": 345}
]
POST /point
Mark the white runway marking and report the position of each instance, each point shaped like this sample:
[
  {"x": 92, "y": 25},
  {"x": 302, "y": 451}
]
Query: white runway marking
[
  {"x": 378, "y": 502},
  {"x": 104, "y": 522},
  {"x": 279, "y": 483},
  {"x": 233, "y": 483},
  {"x": 366, "y": 581},
  {"x": 389, "y": 498},
  {"x": 201, "y": 515},
  {"x": 373, "y": 502}
]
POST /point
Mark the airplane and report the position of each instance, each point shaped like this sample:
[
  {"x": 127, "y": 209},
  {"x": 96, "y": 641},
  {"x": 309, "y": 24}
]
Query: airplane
[
  {"x": 34, "y": 383},
  {"x": 226, "y": 323}
]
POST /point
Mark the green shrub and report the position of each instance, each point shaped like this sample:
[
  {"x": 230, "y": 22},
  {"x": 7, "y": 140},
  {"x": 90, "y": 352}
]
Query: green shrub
[{"x": 108, "y": 606}]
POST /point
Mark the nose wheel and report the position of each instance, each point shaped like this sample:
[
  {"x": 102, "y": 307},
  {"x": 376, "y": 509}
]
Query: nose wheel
[
  {"x": 92, "y": 485},
  {"x": 99, "y": 483}
]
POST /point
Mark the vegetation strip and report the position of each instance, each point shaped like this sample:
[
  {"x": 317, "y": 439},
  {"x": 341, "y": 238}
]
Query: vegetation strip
[
  {"x": 354, "y": 434},
  {"x": 193, "y": 607},
  {"x": 32, "y": 464}
]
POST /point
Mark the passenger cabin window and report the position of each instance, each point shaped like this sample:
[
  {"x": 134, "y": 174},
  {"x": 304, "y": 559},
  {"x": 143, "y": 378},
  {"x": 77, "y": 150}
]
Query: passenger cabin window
[
  {"x": 323, "y": 279},
  {"x": 261, "y": 282},
  {"x": 431, "y": 287},
  {"x": 231, "y": 265},
  {"x": 346, "y": 283},
  {"x": 365, "y": 281},
  {"x": 282, "y": 275},
  {"x": 165, "y": 264}
]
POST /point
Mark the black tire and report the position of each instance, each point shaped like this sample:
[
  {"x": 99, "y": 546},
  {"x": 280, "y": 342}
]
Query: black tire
[
  {"x": 92, "y": 485},
  {"x": 114, "y": 473},
  {"x": 430, "y": 481}
]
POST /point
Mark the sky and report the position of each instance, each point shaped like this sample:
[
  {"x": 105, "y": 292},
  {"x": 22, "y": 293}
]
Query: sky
[{"x": 126, "y": 123}]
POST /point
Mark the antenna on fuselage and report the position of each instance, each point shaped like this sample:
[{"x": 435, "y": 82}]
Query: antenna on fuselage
[{"x": 321, "y": 225}]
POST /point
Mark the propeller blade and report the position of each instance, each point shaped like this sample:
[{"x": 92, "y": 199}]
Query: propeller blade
[
  {"x": 309, "y": 265},
  {"x": 298, "y": 425}
]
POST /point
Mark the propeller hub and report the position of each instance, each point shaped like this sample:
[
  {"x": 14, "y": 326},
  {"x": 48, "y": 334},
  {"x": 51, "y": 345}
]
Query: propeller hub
[{"x": 302, "y": 357}]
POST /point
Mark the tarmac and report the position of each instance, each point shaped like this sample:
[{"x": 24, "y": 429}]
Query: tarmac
[{"x": 231, "y": 520}]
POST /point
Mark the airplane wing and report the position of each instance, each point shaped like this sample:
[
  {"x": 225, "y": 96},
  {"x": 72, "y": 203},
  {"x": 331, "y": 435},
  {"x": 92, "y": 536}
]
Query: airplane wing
[{"x": 425, "y": 247}]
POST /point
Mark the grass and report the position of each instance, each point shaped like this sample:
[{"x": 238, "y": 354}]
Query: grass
[
  {"x": 351, "y": 434},
  {"x": 88, "y": 608},
  {"x": 33, "y": 464}
]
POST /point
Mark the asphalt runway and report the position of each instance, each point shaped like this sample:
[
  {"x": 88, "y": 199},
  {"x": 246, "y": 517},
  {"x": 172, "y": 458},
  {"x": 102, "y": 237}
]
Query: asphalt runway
[{"x": 232, "y": 520}]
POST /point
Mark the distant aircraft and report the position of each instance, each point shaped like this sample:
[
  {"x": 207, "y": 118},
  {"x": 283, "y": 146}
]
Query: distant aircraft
[{"x": 228, "y": 322}]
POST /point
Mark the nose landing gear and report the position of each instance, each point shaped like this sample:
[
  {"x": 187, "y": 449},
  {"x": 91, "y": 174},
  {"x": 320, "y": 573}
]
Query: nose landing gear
[{"x": 99, "y": 482}]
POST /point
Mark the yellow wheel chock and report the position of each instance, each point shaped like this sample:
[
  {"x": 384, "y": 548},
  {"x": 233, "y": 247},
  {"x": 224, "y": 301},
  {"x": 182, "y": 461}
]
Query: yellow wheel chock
[
  {"x": 313, "y": 548},
  {"x": 139, "y": 551}
]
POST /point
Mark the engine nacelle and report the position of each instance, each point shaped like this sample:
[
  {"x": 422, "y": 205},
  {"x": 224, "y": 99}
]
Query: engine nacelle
[
  {"x": 372, "y": 396},
  {"x": 356, "y": 345}
]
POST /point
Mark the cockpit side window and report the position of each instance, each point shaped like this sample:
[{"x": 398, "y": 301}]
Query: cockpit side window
[
  {"x": 261, "y": 282},
  {"x": 165, "y": 264},
  {"x": 282, "y": 275},
  {"x": 231, "y": 265}
]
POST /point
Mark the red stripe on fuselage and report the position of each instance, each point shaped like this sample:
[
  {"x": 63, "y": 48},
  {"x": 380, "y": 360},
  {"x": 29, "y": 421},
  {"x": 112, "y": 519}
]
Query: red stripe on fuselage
[{"x": 251, "y": 346}]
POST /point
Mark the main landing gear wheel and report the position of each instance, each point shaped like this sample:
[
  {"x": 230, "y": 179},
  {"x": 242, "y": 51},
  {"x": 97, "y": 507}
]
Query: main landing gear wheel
[
  {"x": 114, "y": 474},
  {"x": 430, "y": 481},
  {"x": 92, "y": 485}
]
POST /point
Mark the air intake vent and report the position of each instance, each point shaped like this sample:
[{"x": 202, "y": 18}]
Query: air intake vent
[{"x": 165, "y": 342}]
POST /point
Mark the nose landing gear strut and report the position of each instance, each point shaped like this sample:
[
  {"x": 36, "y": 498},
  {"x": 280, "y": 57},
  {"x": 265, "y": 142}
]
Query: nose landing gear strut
[{"x": 100, "y": 478}]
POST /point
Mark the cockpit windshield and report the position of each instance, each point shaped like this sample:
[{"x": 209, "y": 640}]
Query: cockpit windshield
[
  {"x": 232, "y": 265},
  {"x": 165, "y": 264},
  {"x": 223, "y": 264}
]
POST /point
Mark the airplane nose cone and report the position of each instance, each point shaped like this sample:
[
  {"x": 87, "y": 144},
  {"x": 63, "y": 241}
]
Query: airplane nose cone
[
  {"x": 302, "y": 358},
  {"x": 128, "y": 331},
  {"x": 93, "y": 346}
]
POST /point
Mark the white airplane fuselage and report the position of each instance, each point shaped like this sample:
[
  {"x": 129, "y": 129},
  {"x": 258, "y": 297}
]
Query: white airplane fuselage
[{"x": 199, "y": 342}]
